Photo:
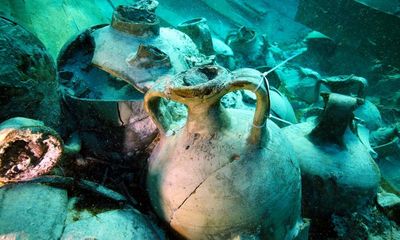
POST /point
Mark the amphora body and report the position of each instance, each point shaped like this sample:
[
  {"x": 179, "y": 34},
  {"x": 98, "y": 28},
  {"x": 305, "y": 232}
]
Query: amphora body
[
  {"x": 222, "y": 175},
  {"x": 338, "y": 174}
]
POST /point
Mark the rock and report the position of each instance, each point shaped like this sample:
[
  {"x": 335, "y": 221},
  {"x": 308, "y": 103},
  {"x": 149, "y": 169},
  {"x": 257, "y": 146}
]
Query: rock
[
  {"x": 32, "y": 211},
  {"x": 75, "y": 209},
  {"x": 115, "y": 224},
  {"x": 28, "y": 82}
]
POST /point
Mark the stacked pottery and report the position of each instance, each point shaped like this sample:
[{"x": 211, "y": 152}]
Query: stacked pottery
[
  {"x": 106, "y": 69},
  {"x": 223, "y": 175},
  {"x": 338, "y": 174}
]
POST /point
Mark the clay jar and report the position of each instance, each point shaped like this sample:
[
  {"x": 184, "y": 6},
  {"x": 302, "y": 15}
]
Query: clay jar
[
  {"x": 137, "y": 50},
  {"x": 248, "y": 45},
  {"x": 338, "y": 174},
  {"x": 226, "y": 173},
  {"x": 357, "y": 86},
  {"x": 106, "y": 69},
  {"x": 198, "y": 30}
]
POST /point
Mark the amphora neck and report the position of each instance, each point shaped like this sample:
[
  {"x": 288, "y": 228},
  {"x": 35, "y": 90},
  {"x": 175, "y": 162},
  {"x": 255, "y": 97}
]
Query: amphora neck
[{"x": 335, "y": 119}]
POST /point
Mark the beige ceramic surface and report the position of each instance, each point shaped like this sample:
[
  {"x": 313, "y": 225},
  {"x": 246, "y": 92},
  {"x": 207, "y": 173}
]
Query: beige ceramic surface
[{"x": 222, "y": 176}]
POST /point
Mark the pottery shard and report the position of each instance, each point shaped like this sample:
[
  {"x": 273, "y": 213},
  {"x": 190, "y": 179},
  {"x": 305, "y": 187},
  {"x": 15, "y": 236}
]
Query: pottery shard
[
  {"x": 32, "y": 211},
  {"x": 116, "y": 224}
]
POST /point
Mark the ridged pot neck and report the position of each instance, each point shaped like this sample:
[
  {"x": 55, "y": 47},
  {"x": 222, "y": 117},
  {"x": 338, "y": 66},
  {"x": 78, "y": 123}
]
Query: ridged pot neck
[
  {"x": 335, "y": 119},
  {"x": 135, "y": 21}
]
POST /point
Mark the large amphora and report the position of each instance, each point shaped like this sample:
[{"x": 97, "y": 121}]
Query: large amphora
[
  {"x": 226, "y": 173},
  {"x": 338, "y": 174}
]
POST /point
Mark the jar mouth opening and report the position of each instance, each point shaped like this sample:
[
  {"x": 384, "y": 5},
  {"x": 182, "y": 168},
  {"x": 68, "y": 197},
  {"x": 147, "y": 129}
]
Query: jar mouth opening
[
  {"x": 246, "y": 34},
  {"x": 200, "y": 76},
  {"x": 200, "y": 82}
]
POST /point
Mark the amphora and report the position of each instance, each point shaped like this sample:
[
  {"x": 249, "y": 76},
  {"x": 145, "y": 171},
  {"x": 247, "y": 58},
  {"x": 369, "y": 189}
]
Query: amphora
[{"x": 226, "y": 173}]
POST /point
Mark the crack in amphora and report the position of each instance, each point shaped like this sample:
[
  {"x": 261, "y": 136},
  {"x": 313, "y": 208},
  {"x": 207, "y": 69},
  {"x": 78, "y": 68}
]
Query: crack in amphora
[{"x": 197, "y": 187}]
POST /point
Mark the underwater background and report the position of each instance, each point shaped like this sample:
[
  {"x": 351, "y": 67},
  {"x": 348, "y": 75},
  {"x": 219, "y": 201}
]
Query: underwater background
[{"x": 204, "y": 119}]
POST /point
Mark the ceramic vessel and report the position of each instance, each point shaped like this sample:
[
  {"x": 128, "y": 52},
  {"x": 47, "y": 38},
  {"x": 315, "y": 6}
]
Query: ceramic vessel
[
  {"x": 197, "y": 29},
  {"x": 106, "y": 69},
  {"x": 356, "y": 86},
  {"x": 223, "y": 175},
  {"x": 248, "y": 46},
  {"x": 137, "y": 50},
  {"x": 338, "y": 173}
]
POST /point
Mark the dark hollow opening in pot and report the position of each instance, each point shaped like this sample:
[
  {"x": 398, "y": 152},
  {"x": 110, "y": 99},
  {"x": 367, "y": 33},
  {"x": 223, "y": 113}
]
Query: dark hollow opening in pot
[
  {"x": 246, "y": 34},
  {"x": 148, "y": 56},
  {"x": 131, "y": 14},
  {"x": 201, "y": 76},
  {"x": 210, "y": 72},
  {"x": 156, "y": 53},
  {"x": 19, "y": 156},
  {"x": 81, "y": 79}
]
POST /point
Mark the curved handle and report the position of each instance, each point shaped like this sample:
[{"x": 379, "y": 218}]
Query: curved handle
[
  {"x": 247, "y": 79},
  {"x": 152, "y": 104},
  {"x": 250, "y": 79},
  {"x": 338, "y": 85}
]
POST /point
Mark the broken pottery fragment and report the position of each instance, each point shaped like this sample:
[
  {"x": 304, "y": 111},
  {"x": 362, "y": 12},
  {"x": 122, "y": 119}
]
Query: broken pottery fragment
[
  {"x": 28, "y": 149},
  {"x": 301, "y": 83},
  {"x": 338, "y": 173},
  {"x": 227, "y": 173},
  {"x": 97, "y": 100},
  {"x": 28, "y": 83}
]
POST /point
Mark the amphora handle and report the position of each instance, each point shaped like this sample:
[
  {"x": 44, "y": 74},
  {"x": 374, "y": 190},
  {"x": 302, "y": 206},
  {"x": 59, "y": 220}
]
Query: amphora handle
[
  {"x": 250, "y": 79},
  {"x": 210, "y": 93},
  {"x": 340, "y": 84}
]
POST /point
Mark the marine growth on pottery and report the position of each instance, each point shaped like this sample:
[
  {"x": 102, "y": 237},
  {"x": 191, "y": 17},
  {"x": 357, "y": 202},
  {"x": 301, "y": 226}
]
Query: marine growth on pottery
[{"x": 226, "y": 173}]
